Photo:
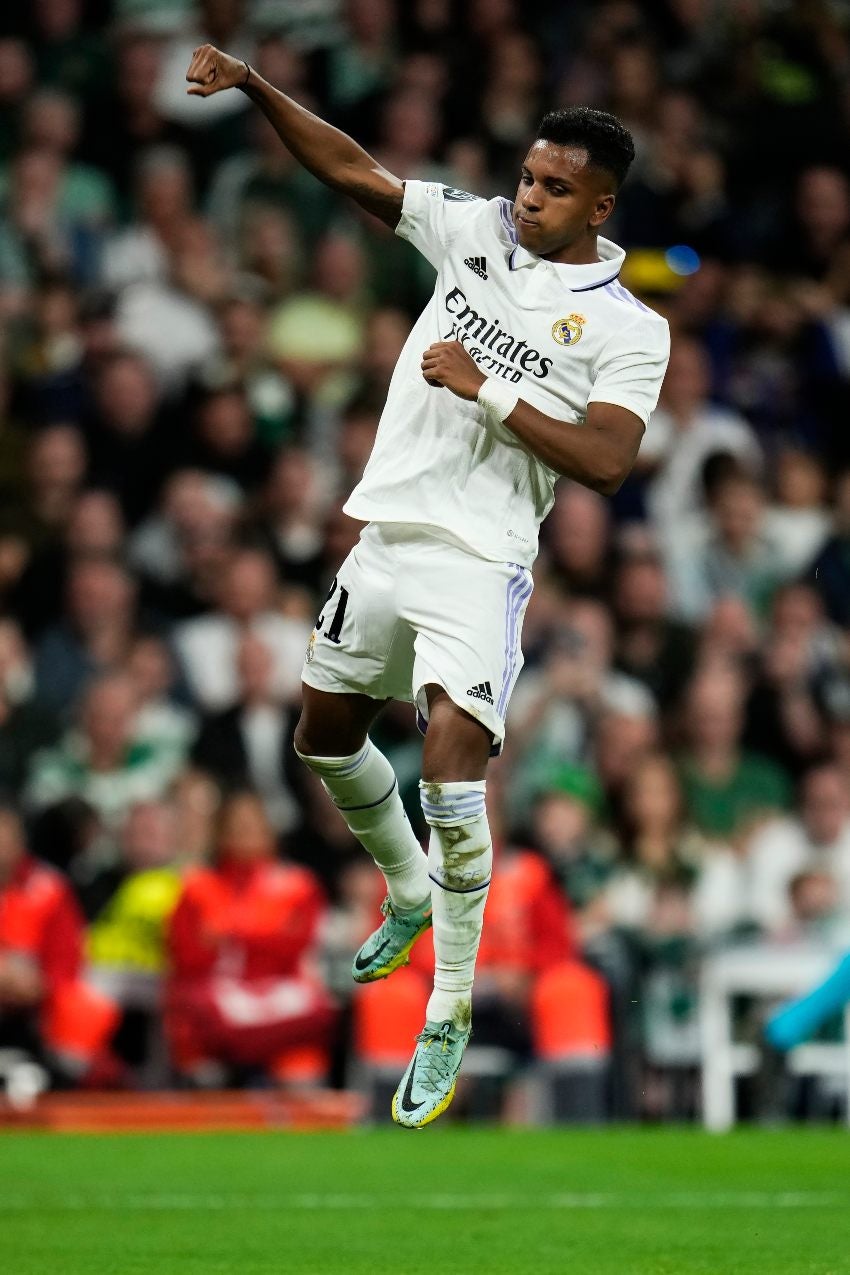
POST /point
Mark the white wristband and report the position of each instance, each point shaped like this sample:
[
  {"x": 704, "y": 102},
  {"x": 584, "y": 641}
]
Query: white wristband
[{"x": 498, "y": 398}]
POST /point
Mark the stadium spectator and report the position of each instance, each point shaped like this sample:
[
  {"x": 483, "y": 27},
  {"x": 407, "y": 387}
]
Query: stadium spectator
[
  {"x": 139, "y": 253},
  {"x": 387, "y": 330},
  {"x": 265, "y": 178},
  {"x": 290, "y": 518},
  {"x": 94, "y": 531},
  {"x": 25, "y": 725},
  {"x": 731, "y": 554},
  {"x": 128, "y": 437},
  {"x": 649, "y": 900},
  {"x": 128, "y": 123},
  {"x": 93, "y": 635},
  {"x": 649, "y": 646},
  {"x": 223, "y": 440},
  {"x": 208, "y": 646},
  {"x": 318, "y": 336},
  {"x": 196, "y": 799},
  {"x": 576, "y": 537},
  {"x": 361, "y": 65},
  {"x": 55, "y": 466},
  {"x": 69, "y": 55},
  {"x": 250, "y": 743},
  {"x": 52, "y": 124},
  {"x": 125, "y": 943},
  {"x": 101, "y": 759},
  {"x": 240, "y": 995},
  {"x": 726, "y": 789},
  {"x": 557, "y": 707},
  {"x": 45, "y": 1007},
  {"x": 562, "y": 825},
  {"x": 243, "y": 360},
  {"x": 179, "y": 548},
  {"x": 16, "y": 76},
  {"x": 657, "y": 848},
  {"x": 798, "y": 520},
  {"x": 685, "y": 430},
  {"x": 161, "y": 721},
  {"x": 800, "y": 672},
  {"x": 830, "y": 571},
  {"x": 815, "y": 841},
  {"x": 354, "y": 443},
  {"x": 168, "y": 320},
  {"x": 623, "y": 735}
]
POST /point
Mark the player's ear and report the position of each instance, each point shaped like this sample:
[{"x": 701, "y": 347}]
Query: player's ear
[{"x": 602, "y": 209}]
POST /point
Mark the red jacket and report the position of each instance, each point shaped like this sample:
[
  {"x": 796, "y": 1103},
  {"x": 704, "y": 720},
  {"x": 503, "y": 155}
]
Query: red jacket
[
  {"x": 528, "y": 924},
  {"x": 40, "y": 918},
  {"x": 254, "y": 921}
]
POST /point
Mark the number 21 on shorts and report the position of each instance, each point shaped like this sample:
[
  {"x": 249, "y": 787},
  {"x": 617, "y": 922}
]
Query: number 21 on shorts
[{"x": 333, "y": 630}]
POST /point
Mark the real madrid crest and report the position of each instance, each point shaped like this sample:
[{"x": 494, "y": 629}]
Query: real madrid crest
[
  {"x": 568, "y": 331},
  {"x": 311, "y": 648}
]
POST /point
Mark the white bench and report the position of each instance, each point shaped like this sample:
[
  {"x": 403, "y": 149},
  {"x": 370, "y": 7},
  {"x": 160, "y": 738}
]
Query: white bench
[{"x": 759, "y": 971}]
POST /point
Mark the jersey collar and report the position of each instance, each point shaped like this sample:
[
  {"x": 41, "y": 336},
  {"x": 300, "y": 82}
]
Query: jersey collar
[{"x": 577, "y": 278}]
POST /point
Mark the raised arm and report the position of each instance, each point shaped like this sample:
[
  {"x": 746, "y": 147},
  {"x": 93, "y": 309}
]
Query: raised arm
[{"x": 329, "y": 154}]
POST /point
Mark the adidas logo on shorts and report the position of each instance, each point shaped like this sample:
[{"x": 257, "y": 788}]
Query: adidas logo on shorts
[
  {"x": 478, "y": 264},
  {"x": 481, "y": 691}
]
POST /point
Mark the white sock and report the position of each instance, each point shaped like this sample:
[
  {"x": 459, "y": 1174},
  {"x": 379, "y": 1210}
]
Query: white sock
[
  {"x": 460, "y": 861},
  {"x": 364, "y": 790}
]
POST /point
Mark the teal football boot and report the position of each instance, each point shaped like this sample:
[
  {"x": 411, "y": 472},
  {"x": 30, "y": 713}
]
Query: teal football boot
[
  {"x": 428, "y": 1085},
  {"x": 389, "y": 947}
]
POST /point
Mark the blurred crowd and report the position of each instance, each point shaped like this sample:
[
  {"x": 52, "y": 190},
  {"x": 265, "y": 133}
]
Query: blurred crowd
[{"x": 196, "y": 342}]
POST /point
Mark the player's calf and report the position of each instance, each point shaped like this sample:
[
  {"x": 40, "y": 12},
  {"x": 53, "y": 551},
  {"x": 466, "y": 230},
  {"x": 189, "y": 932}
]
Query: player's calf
[
  {"x": 364, "y": 789},
  {"x": 460, "y": 861}
]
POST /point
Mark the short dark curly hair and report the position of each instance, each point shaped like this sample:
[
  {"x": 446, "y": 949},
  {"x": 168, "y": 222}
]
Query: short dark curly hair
[{"x": 608, "y": 143}]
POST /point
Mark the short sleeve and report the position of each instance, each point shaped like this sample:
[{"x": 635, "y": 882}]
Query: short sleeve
[
  {"x": 632, "y": 366},
  {"x": 432, "y": 214}
]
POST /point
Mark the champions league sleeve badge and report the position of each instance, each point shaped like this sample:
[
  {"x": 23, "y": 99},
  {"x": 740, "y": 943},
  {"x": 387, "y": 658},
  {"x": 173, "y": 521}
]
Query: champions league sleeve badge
[
  {"x": 455, "y": 196},
  {"x": 568, "y": 331}
]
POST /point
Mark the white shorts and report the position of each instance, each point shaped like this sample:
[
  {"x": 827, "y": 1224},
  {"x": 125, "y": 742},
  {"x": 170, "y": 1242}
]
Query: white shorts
[{"x": 408, "y": 609}]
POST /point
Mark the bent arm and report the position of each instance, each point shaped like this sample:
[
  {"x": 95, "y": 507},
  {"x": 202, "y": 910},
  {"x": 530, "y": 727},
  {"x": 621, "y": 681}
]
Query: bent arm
[
  {"x": 325, "y": 151},
  {"x": 599, "y": 454}
]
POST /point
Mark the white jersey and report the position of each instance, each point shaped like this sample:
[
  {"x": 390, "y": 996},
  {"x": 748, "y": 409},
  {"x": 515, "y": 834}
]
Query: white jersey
[{"x": 564, "y": 335}]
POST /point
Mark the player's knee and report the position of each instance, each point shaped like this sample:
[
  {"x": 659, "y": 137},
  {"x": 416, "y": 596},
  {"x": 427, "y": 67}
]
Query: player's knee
[
  {"x": 450, "y": 805},
  {"x": 316, "y": 738},
  {"x": 457, "y": 747},
  {"x": 462, "y": 854},
  {"x": 302, "y": 743}
]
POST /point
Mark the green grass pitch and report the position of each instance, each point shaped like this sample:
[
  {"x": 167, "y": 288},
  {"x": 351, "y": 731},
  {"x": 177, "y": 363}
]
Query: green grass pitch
[{"x": 630, "y": 1202}]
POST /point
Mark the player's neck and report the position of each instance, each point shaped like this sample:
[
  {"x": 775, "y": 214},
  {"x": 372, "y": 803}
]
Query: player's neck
[{"x": 581, "y": 252}]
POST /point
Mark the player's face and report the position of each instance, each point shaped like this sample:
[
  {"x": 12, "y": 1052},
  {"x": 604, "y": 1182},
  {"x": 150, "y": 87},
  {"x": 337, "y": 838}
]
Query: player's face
[{"x": 560, "y": 200}]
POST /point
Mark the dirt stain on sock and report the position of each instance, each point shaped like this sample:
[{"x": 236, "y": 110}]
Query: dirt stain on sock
[{"x": 462, "y": 1015}]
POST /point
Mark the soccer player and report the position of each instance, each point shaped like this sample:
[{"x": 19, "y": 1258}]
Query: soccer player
[{"x": 529, "y": 362}]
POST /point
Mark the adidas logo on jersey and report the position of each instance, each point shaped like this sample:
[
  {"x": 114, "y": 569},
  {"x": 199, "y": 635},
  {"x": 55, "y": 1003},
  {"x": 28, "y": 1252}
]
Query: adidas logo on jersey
[
  {"x": 478, "y": 264},
  {"x": 482, "y": 691}
]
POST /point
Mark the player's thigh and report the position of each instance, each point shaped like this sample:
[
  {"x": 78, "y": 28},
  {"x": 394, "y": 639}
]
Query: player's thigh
[
  {"x": 334, "y": 724},
  {"x": 359, "y": 645},
  {"x": 467, "y": 614}
]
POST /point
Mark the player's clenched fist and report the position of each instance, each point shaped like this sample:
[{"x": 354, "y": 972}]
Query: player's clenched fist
[
  {"x": 447, "y": 363},
  {"x": 210, "y": 71}
]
